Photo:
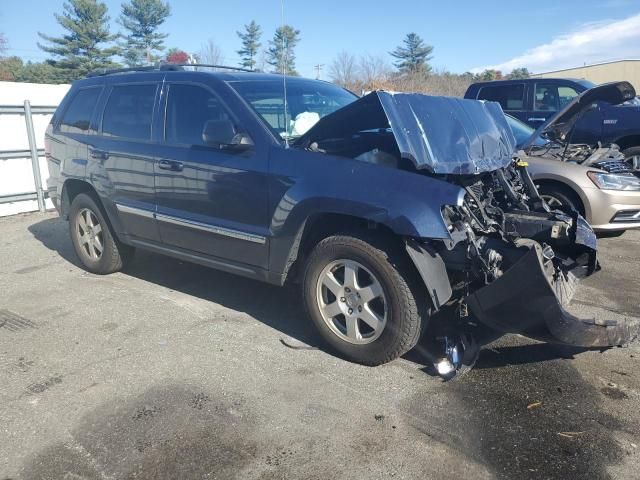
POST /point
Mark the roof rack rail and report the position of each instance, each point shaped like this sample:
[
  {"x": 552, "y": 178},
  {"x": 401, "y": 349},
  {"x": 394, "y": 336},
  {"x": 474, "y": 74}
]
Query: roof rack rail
[{"x": 163, "y": 67}]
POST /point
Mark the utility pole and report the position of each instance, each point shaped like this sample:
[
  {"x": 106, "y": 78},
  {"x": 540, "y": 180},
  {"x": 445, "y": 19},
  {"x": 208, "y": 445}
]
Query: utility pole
[{"x": 318, "y": 68}]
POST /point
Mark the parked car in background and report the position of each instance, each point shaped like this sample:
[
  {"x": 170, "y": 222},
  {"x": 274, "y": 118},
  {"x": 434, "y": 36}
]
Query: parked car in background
[
  {"x": 592, "y": 180},
  {"x": 386, "y": 209},
  {"x": 535, "y": 100}
]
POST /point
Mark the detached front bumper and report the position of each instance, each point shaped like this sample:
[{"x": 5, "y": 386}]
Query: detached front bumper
[{"x": 530, "y": 299}]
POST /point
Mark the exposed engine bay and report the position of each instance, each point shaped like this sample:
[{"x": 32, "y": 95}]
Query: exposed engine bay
[
  {"x": 604, "y": 157},
  {"x": 511, "y": 264}
]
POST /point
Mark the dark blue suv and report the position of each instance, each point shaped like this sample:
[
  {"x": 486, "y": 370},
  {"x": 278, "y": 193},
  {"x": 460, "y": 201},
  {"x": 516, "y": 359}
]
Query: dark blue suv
[
  {"x": 398, "y": 214},
  {"x": 536, "y": 100}
]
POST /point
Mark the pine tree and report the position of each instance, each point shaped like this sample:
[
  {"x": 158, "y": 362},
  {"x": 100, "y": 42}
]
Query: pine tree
[
  {"x": 142, "y": 41},
  {"x": 280, "y": 54},
  {"x": 414, "y": 56},
  {"x": 250, "y": 45},
  {"x": 79, "y": 51}
]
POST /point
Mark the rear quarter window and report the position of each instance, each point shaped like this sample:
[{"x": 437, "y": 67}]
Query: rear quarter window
[
  {"x": 129, "y": 112},
  {"x": 510, "y": 97},
  {"x": 77, "y": 116}
]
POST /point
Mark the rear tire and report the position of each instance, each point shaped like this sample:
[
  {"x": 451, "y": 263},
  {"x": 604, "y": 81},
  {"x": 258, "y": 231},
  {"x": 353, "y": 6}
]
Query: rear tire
[
  {"x": 93, "y": 240},
  {"x": 380, "y": 328}
]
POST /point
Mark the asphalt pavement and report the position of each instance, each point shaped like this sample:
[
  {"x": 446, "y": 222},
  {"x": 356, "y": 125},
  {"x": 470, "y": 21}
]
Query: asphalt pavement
[{"x": 174, "y": 371}]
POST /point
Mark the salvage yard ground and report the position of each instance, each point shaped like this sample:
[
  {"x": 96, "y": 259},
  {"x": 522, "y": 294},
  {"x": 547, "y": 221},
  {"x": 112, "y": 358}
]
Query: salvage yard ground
[{"x": 170, "y": 370}]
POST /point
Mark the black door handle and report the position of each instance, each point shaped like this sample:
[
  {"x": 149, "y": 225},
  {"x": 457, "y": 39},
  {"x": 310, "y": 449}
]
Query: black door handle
[
  {"x": 98, "y": 154},
  {"x": 172, "y": 165}
]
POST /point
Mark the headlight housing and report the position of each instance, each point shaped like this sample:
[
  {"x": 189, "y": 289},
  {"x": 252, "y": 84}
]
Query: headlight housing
[{"x": 612, "y": 181}]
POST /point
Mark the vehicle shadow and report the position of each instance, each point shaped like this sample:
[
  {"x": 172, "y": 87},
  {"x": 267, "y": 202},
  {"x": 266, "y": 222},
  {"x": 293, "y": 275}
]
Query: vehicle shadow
[{"x": 279, "y": 308}]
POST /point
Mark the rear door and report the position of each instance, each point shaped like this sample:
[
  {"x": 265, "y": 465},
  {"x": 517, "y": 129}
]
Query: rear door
[
  {"x": 210, "y": 201},
  {"x": 510, "y": 96},
  {"x": 126, "y": 150}
]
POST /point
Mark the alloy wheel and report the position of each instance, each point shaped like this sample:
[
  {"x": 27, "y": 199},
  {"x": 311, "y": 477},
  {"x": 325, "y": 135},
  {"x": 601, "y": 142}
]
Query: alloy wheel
[
  {"x": 89, "y": 232},
  {"x": 352, "y": 302}
]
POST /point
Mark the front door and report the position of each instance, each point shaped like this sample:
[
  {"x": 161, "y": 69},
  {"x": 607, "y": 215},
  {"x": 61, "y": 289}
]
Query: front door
[
  {"x": 548, "y": 99},
  {"x": 210, "y": 201}
]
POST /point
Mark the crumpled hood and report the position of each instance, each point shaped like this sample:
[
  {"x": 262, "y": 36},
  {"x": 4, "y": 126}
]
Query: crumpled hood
[
  {"x": 557, "y": 127},
  {"x": 443, "y": 135}
]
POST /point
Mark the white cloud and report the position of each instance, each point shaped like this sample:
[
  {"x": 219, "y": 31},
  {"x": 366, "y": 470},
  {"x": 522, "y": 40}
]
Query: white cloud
[{"x": 590, "y": 43}]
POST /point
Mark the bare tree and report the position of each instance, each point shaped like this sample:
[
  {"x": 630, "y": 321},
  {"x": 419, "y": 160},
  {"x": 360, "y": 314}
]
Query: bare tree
[
  {"x": 344, "y": 71},
  {"x": 375, "y": 72},
  {"x": 3, "y": 44},
  {"x": 210, "y": 53}
]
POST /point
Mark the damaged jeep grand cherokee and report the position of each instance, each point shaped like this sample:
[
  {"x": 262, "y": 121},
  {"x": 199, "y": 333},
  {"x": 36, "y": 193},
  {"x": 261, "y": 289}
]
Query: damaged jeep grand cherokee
[{"x": 401, "y": 215}]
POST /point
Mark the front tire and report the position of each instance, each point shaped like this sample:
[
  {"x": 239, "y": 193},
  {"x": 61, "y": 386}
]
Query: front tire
[
  {"x": 558, "y": 197},
  {"x": 363, "y": 297},
  {"x": 93, "y": 240}
]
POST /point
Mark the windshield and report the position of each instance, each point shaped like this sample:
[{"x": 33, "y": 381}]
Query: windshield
[
  {"x": 307, "y": 102},
  {"x": 522, "y": 132}
]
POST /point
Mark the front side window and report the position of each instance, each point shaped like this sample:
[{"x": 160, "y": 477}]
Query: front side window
[
  {"x": 307, "y": 102},
  {"x": 77, "y": 117},
  {"x": 510, "y": 97},
  {"x": 189, "y": 108},
  {"x": 129, "y": 112},
  {"x": 551, "y": 98}
]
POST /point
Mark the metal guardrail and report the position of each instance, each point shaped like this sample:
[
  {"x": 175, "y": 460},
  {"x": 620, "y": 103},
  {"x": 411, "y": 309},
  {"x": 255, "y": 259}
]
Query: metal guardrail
[{"x": 34, "y": 152}]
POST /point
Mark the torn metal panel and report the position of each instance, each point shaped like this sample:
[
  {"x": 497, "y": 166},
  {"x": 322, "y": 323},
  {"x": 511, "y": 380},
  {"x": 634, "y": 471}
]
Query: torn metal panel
[
  {"x": 442, "y": 135},
  {"x": 449, "y": 135}
]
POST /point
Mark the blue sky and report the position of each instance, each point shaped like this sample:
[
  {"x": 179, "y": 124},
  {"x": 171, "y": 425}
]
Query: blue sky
[{"x": 542, "y": 34}]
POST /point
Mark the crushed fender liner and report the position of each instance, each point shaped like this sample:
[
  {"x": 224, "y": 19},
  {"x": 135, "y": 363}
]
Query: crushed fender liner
[
  {"x": 432, "y": 271},
  {"x": 530, "y": 299}
]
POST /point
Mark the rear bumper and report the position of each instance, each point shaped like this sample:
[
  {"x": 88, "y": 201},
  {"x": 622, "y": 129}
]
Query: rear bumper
[{"x": 531, "y": 299}]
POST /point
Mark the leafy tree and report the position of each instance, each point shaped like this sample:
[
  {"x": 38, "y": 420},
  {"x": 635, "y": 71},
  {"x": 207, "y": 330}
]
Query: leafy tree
[
  {"x": 80, "y": 50},
  {"x": 519, "y": 73},
  {"x": 281, "y": 53},
  {"x": 141, "y": 19},
  {"x": 489, "y": 74},
  {"x": 250, "y": 45},
  {"x": 175, "y": 55},
  {"x": 414, "y": 56},
  {"x": 12, "y": 69}
]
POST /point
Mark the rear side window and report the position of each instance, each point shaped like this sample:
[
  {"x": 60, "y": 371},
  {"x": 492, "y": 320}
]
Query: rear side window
[
  {"x": 510, "y": 97},
  {"x": 77, "y": 117},
  {"x": 129, "y": 112},
  {"x": 189, "y": 108}
]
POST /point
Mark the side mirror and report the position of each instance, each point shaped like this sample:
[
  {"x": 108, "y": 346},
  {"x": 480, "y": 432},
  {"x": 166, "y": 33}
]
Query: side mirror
[{"x": 222, "y": 134}]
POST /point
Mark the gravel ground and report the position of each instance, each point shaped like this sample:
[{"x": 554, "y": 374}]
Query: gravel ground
[{"x": 170, "y": 370}]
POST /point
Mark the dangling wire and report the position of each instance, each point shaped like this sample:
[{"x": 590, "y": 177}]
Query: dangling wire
[{"x": 284, "y": 61}]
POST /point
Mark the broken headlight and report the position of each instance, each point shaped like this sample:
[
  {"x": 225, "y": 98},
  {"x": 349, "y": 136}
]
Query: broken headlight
[{"x": 611, "y": 181}]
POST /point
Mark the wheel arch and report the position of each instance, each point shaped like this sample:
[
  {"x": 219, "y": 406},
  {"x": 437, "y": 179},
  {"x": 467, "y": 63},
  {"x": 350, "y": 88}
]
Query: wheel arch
[
  {"x": 564, "y": 183},
  {"x": 72, "y": 187},
  {"x": 319, "y": 226}
]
